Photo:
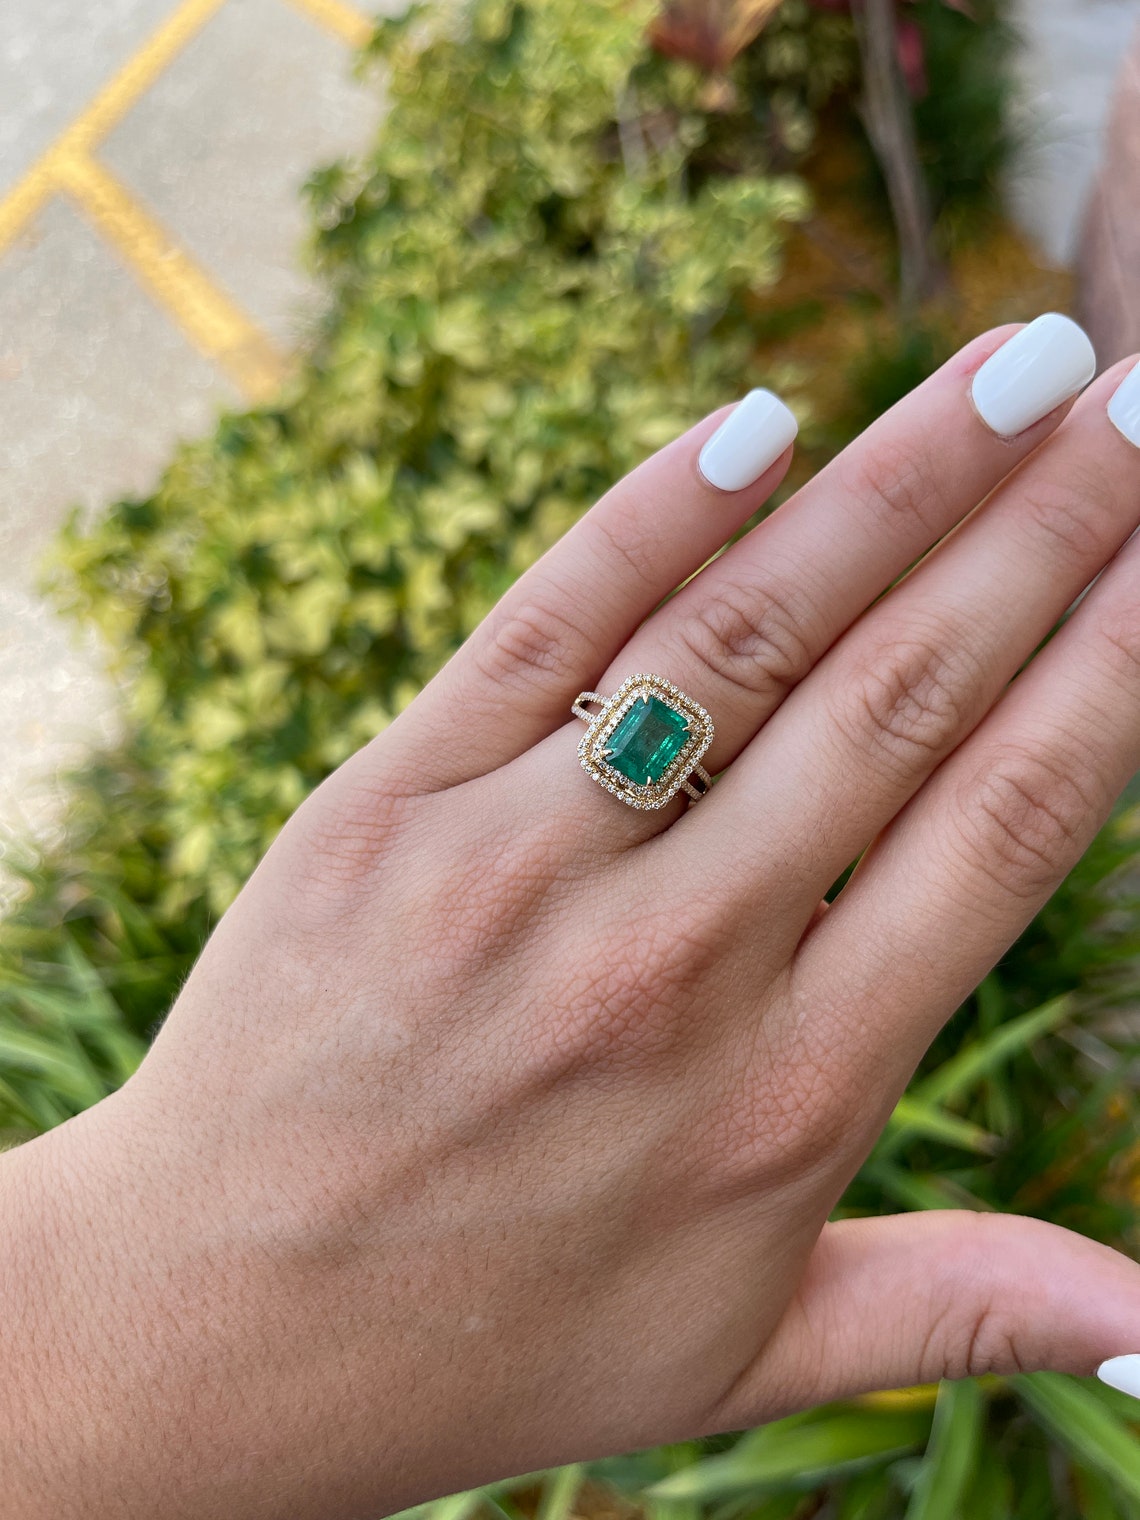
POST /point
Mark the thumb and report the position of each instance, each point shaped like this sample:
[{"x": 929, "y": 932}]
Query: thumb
[{"x": 910, "y": 1298}]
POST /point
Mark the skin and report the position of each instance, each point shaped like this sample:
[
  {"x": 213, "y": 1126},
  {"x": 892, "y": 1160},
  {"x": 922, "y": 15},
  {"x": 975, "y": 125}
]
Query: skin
[{"x": 499, "y": 1124}]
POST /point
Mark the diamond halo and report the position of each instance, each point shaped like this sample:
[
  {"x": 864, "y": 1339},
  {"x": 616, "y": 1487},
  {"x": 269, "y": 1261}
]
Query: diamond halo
[{"x": 680, "y": 771}]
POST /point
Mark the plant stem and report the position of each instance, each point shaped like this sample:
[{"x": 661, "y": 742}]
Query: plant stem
[{"x": 887, "y": 118}]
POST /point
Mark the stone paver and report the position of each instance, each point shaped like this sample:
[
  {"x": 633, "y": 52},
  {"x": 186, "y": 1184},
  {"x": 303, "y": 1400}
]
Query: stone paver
[
  {"x": 79, "y": 426},
  {"x": 54, "y": 55}
]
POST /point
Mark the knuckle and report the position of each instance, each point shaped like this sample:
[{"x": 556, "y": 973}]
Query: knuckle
[
  {"x": 972, "y": 1326},
  {"x": 787, "y": 1112},
  {"x": 1022, "y": 820},
  {"x": 331, "y": 845},
  {"x": 783, "y": 1126},
  {"x": 1119, "y": 631},
  {"x": 640, "y": 553},
  {"x": 750, "y": 636},
  {"x": 473, "y": 896},
  {"x": 529, "y": 639},
  {"x": 898, "y": 482},
  {"x": 905, "y": 701},
  {"x": 1074, "y": 514}
]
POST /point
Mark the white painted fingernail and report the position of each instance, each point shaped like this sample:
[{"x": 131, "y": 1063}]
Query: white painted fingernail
[
  {"x": 1032, "y": 372},
  {"x": 1124, "y": 406},
  {"x": 1121, "y": 1372},
  {"x": 752, "y": 437}
]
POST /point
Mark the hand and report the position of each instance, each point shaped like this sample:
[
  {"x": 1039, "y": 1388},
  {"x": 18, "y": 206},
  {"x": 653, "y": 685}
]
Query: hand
[{"x": 499, "y": 1123}]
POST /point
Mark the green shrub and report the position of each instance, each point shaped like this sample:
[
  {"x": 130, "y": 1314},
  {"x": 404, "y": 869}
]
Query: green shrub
[{"x": 557, "y": 257}]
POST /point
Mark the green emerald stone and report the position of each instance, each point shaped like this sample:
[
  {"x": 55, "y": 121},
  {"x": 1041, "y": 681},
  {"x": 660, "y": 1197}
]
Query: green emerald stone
[{"x": 647, "y": 740}]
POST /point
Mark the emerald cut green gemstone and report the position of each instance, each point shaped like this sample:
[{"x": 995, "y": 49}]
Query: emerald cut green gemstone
[{"x": 647, "y": 740}]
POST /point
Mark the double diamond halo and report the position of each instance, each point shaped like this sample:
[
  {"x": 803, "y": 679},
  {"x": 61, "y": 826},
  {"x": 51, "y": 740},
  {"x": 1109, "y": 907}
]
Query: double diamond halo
[{"x": 645, "y": 743}]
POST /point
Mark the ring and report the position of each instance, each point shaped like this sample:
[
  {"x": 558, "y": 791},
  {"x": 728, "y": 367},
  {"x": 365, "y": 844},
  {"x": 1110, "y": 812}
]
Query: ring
[{"x": 645, "y": 743}]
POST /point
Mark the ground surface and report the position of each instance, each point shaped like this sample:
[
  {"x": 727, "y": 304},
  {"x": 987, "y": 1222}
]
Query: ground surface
[{"x": 151, "y": 155}]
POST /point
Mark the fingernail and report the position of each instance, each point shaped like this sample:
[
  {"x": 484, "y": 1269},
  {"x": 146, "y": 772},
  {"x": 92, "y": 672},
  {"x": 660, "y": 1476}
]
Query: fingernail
[
  {"x": 752, "y": 437},
  {"x": 1121, "y": 1372},
  {"x": 1124, "y": 406},
  {"x": 1034, "y": 371}
]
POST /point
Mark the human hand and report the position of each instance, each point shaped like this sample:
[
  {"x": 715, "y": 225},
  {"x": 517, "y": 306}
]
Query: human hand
[{"x": 499, "y": 1123}]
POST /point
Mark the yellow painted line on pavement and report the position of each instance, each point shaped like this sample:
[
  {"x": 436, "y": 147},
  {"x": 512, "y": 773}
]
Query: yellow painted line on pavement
[
  {"x": 24, "y": 200},
  {"x": 335, "y": 16},
  {"x": 206, "y": 315},
  {"x": 108, "y": 107},
  {"x": 137, "y": 75}
]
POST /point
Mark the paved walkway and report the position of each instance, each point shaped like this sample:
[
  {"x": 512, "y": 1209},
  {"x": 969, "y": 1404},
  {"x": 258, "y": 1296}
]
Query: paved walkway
[{"x": 151, "y": 157}]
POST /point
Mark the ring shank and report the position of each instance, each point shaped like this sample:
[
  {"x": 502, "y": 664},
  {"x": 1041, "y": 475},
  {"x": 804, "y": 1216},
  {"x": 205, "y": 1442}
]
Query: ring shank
[
  {"x": 578, "y": 707},
  {"x": 696, "y": 783}
]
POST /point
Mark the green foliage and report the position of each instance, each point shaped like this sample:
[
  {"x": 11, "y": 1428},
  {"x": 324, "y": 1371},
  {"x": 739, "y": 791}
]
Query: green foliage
[
  {"x": 529, "y": 297},
  {"x": 886, "y": 370},
  {"x": 557, "y": 256},
  {"x": 964, "y": 132},
  {"x": 952, "y": 1452}
]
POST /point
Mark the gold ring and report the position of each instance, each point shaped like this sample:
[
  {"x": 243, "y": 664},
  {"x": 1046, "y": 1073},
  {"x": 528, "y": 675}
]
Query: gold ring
[{"x": 645, "y": 743}]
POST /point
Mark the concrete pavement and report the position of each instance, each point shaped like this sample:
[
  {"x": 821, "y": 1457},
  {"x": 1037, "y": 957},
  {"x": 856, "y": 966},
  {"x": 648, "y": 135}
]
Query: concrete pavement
[{"x": 151, "y": 157}]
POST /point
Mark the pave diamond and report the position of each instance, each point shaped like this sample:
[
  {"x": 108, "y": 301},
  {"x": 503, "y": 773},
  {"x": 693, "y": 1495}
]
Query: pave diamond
[{"x": 647, "y": 740}]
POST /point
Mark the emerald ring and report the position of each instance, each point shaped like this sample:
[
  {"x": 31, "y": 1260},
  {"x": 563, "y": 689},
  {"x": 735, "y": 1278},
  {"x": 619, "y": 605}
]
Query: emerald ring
[{"x": 645, "y": 743}]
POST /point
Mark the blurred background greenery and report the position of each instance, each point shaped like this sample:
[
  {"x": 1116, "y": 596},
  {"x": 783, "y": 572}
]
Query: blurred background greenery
[{"x": 584, "y": 224}]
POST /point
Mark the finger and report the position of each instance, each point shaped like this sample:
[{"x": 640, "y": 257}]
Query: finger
[
  {"x": 741, "y": 634},
  {"x": 514, "y": 678},
  {"x": 746, "y": 630},
  {"x": 910, "y": 1298},
  {"x": 960, "y": 873},
  {"x": 916, "y": 674}
]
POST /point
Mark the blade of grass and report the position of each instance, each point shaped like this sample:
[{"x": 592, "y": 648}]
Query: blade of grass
[
  {"x": 981, "y": 1057},
  {"x": 978, "y": 1059},
  {"x": 1084, "y": 1424},
  {"x": 23, "y": 1050},
  {"x": 975, "y": 1061},
  {"x": 559, "y": 1492},
  {"x": 920, "y": 1190},
  {"x": 921, "y": 1118},
  {"x": 12, "y": 1103},
  {"x": 951, "y": 1453},
  {"x": 499, "y": 1506},
  {"x": 990, "y": 1496},
  {"x": 1099, "y": 1498},
  {"x": 454, "y": 1507},
  {"x": 835, "y": 1444}
]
